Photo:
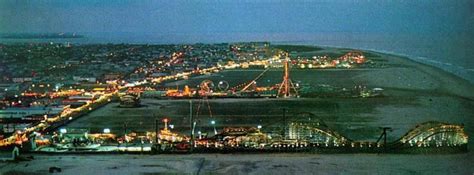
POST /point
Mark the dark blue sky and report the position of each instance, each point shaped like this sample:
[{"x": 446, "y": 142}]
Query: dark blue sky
[
  {"x": 441, "y": 30},
  {"x": 226, "y": 17}
]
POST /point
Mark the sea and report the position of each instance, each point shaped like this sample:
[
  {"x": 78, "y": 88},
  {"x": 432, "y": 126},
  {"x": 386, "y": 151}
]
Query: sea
[{"x": 452, "y": 53}]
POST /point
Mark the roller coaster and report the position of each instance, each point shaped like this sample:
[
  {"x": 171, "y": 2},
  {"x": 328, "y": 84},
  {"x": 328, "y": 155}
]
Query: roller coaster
[
  {"x": 429, "y": 137},
  {"x": 433, "y": 134},
  {"x": 301, "y": 136}
]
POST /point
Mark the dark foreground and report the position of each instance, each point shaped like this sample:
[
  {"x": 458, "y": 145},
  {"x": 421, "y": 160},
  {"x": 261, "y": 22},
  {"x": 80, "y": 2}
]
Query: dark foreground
[{"x": 246, "y": 164}]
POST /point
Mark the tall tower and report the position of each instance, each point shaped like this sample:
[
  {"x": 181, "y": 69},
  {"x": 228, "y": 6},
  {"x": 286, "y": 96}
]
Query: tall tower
[{"x": 287, "y": 88}]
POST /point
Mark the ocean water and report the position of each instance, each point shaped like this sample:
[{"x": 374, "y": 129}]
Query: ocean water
[{"x": 452, "y": 53}]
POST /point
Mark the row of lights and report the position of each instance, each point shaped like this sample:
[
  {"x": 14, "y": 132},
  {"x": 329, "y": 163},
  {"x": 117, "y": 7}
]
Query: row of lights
[{"x": 64, "y": 131}]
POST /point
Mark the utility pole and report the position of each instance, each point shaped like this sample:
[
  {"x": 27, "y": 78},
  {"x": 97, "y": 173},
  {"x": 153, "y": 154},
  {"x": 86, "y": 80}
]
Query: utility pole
[
  {"x": 156, "y": 131},
  {"x": 125, "y": 133},
  {"x": 191, "y": 122},
  {"x": 284, "y": 123},
  {"x": 125, "y": 128},
  {"x": 384, "y": 135}
]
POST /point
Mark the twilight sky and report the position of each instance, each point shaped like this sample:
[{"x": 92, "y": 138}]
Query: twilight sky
[{"x": 418, "y": 17}]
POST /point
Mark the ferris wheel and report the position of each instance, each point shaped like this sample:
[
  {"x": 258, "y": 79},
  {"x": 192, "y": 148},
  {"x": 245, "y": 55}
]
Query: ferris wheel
[
  {"x": 206, "y": 86},
  {"x": 223, "y": 85}
]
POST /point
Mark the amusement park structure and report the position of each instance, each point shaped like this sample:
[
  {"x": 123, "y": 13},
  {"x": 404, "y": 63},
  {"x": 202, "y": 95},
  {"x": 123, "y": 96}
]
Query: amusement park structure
[
  {"x": 286, "y": 89},
  {"x": 254, "y": 81},
  {"x": 429, "y": 137},
  {"x": 206, "y": 89},
  {"x": 286, "y": 86}
]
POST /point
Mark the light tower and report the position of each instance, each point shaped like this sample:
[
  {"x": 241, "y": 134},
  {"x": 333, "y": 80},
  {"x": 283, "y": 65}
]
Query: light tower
[{"x": 287, "y": 88}]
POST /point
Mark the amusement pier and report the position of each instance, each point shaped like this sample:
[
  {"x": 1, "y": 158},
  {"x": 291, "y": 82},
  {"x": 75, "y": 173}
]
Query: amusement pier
[{"x": 295, "y": 134}]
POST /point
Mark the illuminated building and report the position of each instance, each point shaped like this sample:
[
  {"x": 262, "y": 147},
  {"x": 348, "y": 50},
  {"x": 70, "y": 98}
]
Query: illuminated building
[{"x": 130, "y": 101}]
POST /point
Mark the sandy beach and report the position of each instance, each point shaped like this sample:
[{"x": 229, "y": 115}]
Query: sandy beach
[{"x": 246, "y": 164}]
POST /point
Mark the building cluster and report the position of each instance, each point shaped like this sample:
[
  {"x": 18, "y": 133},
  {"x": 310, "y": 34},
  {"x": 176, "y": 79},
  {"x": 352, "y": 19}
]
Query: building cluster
[
  {"x": 178, "y": 59},
  {"x": 37, "y": 80},
  {"x": 348, "y": 60}
]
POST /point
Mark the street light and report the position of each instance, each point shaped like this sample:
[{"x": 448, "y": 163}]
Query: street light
[
  {"x": 214, "y": 125},
  {"x": 106, "y": 130},
  {"x": 259, "y": 126},
  {"x": 63, "y": 130}
]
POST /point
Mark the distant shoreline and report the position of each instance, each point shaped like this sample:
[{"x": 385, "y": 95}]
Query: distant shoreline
[
  {"x": 40, "y": 36},
  {"x": 458, "y": 71},
  {"x": 463, "y": 73}
]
